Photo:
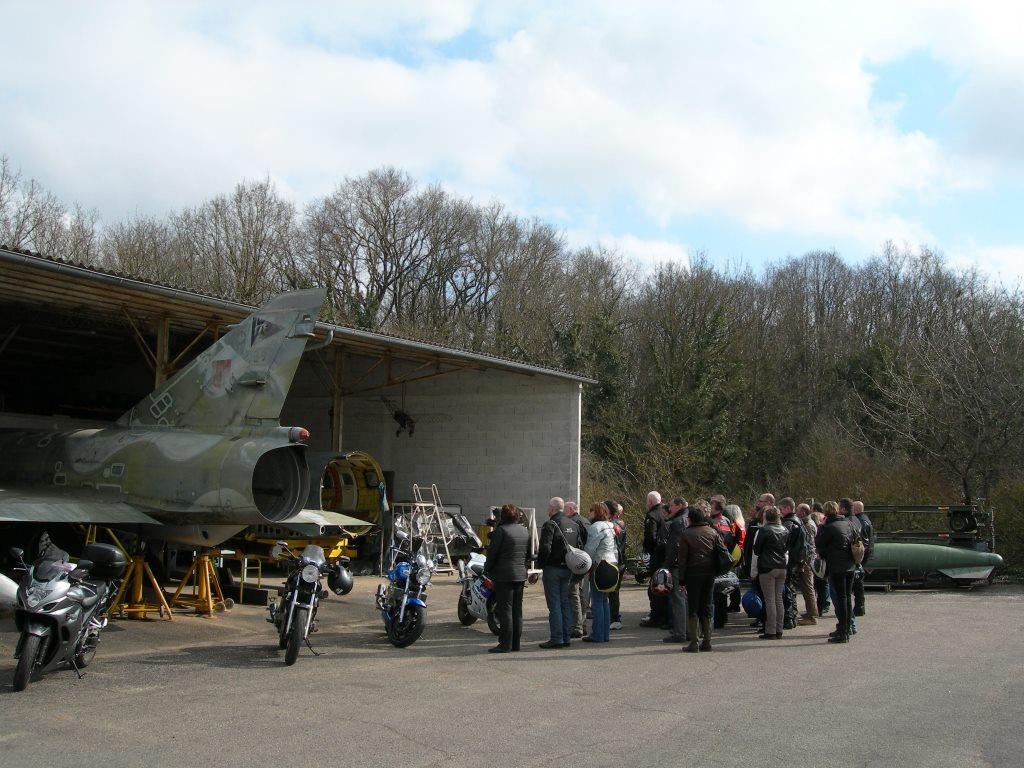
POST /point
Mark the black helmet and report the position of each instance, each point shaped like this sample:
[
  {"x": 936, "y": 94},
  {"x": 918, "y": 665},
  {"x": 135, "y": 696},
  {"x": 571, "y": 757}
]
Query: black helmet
[{"x": 340, "y": 580}]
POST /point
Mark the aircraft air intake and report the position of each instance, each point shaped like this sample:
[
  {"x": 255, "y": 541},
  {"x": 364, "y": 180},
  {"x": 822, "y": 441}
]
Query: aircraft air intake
[{"x": 280, "y": 483}]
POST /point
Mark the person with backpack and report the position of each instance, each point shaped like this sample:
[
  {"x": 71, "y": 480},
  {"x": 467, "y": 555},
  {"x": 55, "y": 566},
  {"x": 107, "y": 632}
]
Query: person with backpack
[
  {"x": 834, "y": 543},
  {"x": 601, "y": 548},
  {"x": 772, "y": 548},
  {"x": 556, "y": 536},
  {"x": 805, "y": 573},
  {"x": 846, "y": 510},
  {"x": 799, "y": 548},
  {"x": 867, "y": 534},
  {"x": 695, "y": 555},
  {"x": 733, "y": 534}
]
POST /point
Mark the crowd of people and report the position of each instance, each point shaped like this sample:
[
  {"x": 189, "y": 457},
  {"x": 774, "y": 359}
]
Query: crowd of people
[{"x": 696, "y": 557}]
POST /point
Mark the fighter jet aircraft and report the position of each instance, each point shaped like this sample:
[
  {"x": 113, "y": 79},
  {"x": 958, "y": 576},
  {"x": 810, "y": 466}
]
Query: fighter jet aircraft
[{"x": 197, "y": 460}]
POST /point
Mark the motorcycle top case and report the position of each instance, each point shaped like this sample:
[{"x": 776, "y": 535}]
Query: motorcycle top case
[{"x": 108, "y": 562}]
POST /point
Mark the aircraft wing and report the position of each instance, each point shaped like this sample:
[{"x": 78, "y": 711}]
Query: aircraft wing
[
  {"x": 322, "y": 518},
  {"x": 43, "y": 506}
]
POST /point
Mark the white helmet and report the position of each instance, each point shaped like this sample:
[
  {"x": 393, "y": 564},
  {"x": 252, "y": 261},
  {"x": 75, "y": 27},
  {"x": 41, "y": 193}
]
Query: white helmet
[{"x": 577, "y": 561}]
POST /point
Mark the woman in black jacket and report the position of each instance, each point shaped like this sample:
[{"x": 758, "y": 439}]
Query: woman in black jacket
[
  {"x": 507, "y": 556},
  {"x": 772, "y": 550}
]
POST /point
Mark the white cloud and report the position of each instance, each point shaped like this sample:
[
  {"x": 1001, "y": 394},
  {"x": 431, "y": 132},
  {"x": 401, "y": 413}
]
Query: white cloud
[
  {"x": 1004, "y": 263},
  {"x": 648, "y": 253},
  {"x": 751, "y": 113}
]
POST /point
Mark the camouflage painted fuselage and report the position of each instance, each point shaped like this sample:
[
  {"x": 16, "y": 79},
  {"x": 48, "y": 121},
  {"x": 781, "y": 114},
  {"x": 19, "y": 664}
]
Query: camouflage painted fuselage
[{"x": 205, "y": 448}]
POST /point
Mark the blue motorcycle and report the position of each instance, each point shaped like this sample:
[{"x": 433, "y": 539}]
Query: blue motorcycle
[{"x": 402, "y": 601}]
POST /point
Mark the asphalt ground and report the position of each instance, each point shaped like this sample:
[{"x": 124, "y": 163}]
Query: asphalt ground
[{"x": 934, "y": 678}]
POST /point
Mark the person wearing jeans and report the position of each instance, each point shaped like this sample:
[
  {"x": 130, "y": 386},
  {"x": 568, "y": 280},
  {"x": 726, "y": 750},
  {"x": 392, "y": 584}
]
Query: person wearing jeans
[
  {"x": 556, "y": 535},
  {"x": 772, "y": 548},
  {"x": 601, "y": 547},
  {"x": 507, "y": 556},
  {"x": 557, "y": 584}
]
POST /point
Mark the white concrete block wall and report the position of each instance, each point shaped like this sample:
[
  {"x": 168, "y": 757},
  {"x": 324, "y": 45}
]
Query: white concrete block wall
[{"x": 484, "y": 438}]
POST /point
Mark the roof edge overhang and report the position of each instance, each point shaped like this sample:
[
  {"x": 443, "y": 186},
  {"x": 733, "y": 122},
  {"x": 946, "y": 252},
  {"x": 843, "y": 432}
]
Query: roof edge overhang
[{"x": 340, "y": 332}]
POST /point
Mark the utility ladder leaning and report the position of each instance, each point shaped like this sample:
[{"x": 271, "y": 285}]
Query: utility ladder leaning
[{"x": 430, "y": 520}]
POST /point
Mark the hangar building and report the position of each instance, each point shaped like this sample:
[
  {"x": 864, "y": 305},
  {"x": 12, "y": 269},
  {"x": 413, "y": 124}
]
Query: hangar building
[{"x": 79, "y": 341}]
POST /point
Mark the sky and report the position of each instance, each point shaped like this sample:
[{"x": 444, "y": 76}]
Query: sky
[{"x": 746, "y": 131}]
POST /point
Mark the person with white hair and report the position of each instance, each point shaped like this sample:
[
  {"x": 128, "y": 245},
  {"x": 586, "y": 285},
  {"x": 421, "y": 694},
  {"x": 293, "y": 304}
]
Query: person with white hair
[
  {"x": 556, "y": 535},
  {"x": 652, "y": 526}
]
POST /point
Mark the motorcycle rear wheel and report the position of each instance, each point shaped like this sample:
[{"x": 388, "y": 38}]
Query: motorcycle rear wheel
[
  {"x": 409, "y": 631},
  {"x": 465, "y": 617},
  {"x": 26, "y": 662},
  {"x": 295, "y": 636}
]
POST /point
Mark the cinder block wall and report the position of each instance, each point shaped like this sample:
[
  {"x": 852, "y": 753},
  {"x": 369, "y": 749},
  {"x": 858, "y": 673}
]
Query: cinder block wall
[{"x": 484, "y": 438}]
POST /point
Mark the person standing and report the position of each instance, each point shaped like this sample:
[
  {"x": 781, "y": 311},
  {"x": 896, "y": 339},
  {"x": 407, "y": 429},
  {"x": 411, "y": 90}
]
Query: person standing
[
  {"x": 652, "y": 524},
  {"x": 835, "y": 536},
  {"x": 601, "y": 548},
  {"x": 508, "y": 554},
  {"x": 846, "y": 510},
  {"x": 772, "y": 548},
  {"x": 676, "y": 521},
  {"x": 555, "y": 534},
  {"x": 696, "y": 565},
  {"x": 579, "y": 587},
  {"x": 867, "y": 534},
  {"x": 798, "y": 549},
  {"x": 804, "y": 574},
  {"x": 620, "y": 547},
  {"x": 820, "y": 584}
]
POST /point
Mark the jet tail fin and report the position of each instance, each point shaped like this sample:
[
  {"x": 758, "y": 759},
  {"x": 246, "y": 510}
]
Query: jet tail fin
[{"x": 245, "y": 375}]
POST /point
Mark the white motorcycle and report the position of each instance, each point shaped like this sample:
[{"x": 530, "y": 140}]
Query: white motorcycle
[{"x": 476, "y": 601}]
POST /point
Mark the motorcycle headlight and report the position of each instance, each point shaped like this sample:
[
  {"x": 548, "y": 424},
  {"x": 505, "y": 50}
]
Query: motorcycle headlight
[
  {"x": 311, "y": 574},
  {"x": 423, "y": 575}
]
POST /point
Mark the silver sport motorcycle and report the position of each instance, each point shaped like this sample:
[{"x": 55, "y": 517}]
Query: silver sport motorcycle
[{"x": 60, "y": 608}]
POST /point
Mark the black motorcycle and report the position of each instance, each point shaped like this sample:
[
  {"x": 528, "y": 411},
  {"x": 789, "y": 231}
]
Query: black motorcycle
[
  {"x": 294, "y": 613},
  {"x": 60, "y": 608}
]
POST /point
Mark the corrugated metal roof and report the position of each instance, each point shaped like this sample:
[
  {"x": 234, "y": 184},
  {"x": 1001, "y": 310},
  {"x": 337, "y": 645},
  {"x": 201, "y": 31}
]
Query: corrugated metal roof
[{"x": 29, "y": 277}]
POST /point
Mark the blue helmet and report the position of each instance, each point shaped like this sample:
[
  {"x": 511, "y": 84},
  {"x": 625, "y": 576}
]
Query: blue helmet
[{"x": 752, "y": 604}]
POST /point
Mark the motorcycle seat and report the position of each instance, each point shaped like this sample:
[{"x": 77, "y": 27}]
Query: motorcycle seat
[{"x": 477, "y": 568}]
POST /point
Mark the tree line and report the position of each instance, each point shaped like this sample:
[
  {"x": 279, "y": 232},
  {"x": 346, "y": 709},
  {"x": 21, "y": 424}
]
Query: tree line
[{"x": 898, "y": 379}]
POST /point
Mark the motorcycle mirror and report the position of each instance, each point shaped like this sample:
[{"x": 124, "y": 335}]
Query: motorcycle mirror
[
  {"x": 277, "y": 550},
  {"x": 17, "y": 554},
  {"x": 401, "y": 535}
]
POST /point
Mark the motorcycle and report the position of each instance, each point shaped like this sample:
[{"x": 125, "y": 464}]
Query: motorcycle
[
  {"x": 294, "y": 613},
  {"x": 60, "y": 608},
  {"x": 476, "y": 601},
  {"x": 402, "y": 602}
]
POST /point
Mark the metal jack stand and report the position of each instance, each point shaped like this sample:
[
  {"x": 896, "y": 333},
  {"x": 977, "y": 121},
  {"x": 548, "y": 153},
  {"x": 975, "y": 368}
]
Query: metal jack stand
[
  {"x": 138, "y": 573},
  {"x": 203, "y": 589}
]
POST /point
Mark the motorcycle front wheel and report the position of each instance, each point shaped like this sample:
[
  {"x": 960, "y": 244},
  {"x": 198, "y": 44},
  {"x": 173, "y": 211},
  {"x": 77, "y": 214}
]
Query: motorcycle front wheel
[
  {"x": 465, "y": 617},
  {"x": 408, "y": 631},
  {"x": 26, "y": 662},
  {"x": 295, "y": 636}
]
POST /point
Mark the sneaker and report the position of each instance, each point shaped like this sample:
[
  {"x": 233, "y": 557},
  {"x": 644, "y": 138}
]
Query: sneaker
[
  {"x": 787, "y": 624},
  {"x": 807, "y": 621},
  {"x": 839, "y": 639},
  {"x": 615, "y": 625},
  {"x": 589, "y": 639},
  {"x": 763, "y": 636},
  {"x": 499, "y": 649}
]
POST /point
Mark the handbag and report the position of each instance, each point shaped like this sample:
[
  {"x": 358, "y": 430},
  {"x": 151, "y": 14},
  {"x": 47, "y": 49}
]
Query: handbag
[
  {"x": 723, "y": 557},
  {"x": 605, "y": 576},
  {"x": 857, "y": 550},
  {"x": 576, "y": 560}
]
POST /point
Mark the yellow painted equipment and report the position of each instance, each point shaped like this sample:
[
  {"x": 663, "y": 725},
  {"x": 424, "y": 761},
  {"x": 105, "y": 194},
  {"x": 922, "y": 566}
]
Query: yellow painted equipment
[
  {"x": 204, "y": 587},
  {"x": 135, "y": 579}
]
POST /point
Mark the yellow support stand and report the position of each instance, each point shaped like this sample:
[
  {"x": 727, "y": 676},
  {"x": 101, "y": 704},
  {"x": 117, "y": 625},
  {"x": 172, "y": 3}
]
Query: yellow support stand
[
  {"x": 138, "y": 572},
  {"x": 204, "y": 587}
]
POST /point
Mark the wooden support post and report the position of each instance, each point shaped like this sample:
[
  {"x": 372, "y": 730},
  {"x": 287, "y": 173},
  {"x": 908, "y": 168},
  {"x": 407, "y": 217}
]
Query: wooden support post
[
  {"x": 163, "y": 345},
  {"x": 338, "y": 400}
]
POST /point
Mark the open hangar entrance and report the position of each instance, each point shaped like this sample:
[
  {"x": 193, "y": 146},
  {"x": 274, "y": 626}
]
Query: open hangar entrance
[{"x": 77, "y": 341}]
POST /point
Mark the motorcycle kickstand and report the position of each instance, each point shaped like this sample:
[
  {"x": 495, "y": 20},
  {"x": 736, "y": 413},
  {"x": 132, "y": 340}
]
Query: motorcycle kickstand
[
  {"x": 74, "y": 666},
  {"x": 311, "y": 648}
]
